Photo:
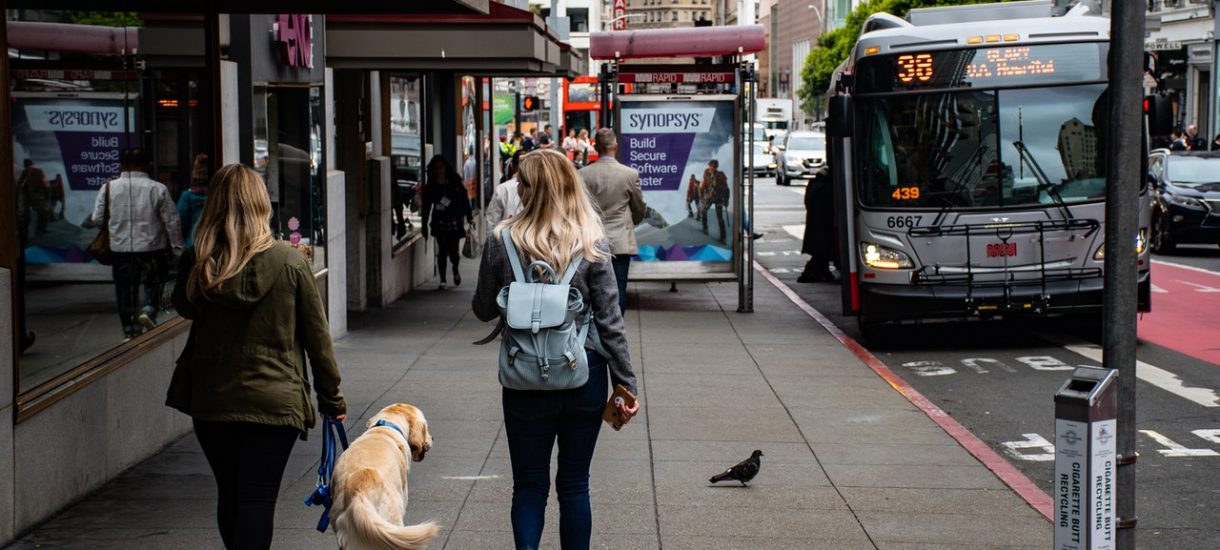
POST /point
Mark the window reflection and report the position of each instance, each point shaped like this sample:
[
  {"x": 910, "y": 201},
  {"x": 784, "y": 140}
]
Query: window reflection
[
  {"x": 73, "y": 114},
  {"x": 406, "y": 155},
  {"x": 288, "y": 155}
]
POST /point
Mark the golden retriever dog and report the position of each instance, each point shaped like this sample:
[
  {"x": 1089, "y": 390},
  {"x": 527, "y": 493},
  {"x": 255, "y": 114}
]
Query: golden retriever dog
[{"x": 370, "y": 483}]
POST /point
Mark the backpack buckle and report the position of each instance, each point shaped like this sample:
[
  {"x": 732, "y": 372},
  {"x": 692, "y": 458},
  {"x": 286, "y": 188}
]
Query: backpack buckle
[{"x": 571, "y": 360}]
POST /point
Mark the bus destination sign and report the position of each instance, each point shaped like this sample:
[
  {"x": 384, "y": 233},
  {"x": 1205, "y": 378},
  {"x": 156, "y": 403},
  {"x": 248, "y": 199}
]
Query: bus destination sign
[{"x": 982, "y": 67}]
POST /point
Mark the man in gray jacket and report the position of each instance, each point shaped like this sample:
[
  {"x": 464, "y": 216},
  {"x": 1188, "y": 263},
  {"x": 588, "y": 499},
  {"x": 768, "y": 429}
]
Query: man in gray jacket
[{"x": 615, "y": 190}]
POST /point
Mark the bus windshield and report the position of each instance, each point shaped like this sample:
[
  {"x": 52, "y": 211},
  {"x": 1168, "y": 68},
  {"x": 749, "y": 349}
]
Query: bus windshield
[{"x": 987, "y": 149}]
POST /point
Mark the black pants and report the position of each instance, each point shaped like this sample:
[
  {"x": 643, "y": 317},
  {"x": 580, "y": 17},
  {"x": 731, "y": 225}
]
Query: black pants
[
  {"x": 448, "y": 246},
  {"x": 248, "y": 461},
  {"x": 133, "y": 270}
]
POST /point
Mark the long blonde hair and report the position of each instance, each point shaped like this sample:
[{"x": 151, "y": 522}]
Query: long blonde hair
[
  {"x": 235, "y": 225},
  {"x": 557, "y": 218}
]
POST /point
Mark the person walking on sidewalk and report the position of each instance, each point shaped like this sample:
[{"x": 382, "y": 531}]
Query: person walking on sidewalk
[
  {"x": 505, "y": 200},
  {"x": 557, "y": 222},
  {"x": 145, "y": 236},
  {"x": 446, "y": 207},
  {"x": 256, "y": 315},
  {"x": 615, "y": 190}
]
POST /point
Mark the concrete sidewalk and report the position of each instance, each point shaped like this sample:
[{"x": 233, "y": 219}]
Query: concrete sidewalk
[{"x": 849, "y": 463}]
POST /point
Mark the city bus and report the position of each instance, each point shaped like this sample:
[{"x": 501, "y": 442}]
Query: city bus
[{"x": 968, "y": 159}]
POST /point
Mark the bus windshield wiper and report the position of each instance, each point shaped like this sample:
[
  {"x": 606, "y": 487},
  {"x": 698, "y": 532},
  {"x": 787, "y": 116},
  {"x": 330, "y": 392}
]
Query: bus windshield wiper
[
  {"x": 1044, "y": 182},
  {"x": 975, "y": 160}
]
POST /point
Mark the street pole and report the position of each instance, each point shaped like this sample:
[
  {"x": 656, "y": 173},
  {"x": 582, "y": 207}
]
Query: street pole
[{"x": 1123, "y": 165}]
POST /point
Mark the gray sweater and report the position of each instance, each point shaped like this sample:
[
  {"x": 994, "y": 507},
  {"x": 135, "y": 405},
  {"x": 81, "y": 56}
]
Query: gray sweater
[{"x": 594, "y": 281}]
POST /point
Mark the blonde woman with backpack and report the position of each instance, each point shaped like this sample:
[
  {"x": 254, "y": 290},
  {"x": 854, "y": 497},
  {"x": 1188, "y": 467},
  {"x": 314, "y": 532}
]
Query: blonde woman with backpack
[{"x": 557, "y": 225}]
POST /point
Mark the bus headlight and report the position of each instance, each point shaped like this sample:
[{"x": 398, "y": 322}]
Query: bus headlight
[
  {"x": 1141, "y": 244},
  {"x": 880, "y": 257}
]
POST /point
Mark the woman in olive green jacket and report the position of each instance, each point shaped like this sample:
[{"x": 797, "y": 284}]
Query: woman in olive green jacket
[{"x": 255, "y": 315}]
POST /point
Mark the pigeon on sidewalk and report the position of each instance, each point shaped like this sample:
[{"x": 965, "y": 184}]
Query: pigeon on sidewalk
[{"x": 743, "y": 472}]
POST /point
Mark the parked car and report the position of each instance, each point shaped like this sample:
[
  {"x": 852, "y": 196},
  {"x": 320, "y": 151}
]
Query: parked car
[
  {"x": 761, "y": 161},
  {"x": 1186, "y": 198},
  {"x": 800, "y": 156}
]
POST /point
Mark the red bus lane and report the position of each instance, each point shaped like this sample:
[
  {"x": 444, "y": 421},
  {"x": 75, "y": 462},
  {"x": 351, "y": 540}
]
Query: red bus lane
[{"x": 1185, "y": 313}]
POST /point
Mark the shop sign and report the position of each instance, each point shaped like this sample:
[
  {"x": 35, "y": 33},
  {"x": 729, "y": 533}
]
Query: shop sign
[
  {"x": 1162, "y": 45},
  {"x": 293, "y": 36},
  {"x": 620, "y": 15},
  {"x": 727, "y": 77}
]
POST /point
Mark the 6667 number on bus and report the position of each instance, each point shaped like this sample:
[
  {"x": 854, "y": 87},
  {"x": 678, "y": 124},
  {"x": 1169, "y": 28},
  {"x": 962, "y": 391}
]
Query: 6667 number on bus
[{"x": 894, "y": 222}]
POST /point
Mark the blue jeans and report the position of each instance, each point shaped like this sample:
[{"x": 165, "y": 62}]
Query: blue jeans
[
  {"x": 533, "y": 420},
  {"x": 621, "y": 263}
]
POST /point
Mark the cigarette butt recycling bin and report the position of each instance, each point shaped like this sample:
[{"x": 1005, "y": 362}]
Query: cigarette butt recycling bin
[{"x": 1085, "y": 461}]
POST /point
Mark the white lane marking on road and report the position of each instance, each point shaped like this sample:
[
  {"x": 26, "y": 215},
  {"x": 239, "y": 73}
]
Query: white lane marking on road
[
  {"x": 780, "y": 270},
  {"x": 976, "y": 363},
  {"x": 1159, "y": 290},
  {"x": 764, "y": 253},
  {"x": 1187, "y": 267},
  {"x": 798, "y": 190},
  {"x": 1031, "y": 441},
  {"x": 1044, "y": 363},
  {"x": 929, "y": 368},
  {"x": 1156, "y": 376},
  {"x": 797, "y": 231},
  {"x": 1175, "y": 449},
  {"x": 1199, "y": 287},
  {"x": 1208, "y": 435},
  {"x": 470, "y": 478}
]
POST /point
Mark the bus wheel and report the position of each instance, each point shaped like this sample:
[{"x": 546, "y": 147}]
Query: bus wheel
[{"x": 876, "y": 334}]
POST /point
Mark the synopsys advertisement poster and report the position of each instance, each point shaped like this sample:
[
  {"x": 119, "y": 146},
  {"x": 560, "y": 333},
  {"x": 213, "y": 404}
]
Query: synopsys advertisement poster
[
  {"x": 683, "y": 150},
  {"x": 64, "y": 150}
]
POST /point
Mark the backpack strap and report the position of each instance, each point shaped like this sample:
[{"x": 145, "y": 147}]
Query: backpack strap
[
  {"x": 570, "y": 272},
  {"x": 513, "y": 259}
]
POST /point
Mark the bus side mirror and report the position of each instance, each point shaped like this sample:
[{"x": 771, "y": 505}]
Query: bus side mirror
[
  {"x": 1159, "y": 111},
  {"x": 839, "y": 123}
]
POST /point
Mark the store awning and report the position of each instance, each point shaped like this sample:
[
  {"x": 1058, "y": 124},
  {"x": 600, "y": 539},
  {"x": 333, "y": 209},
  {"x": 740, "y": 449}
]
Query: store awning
[
  {"x": 511, "y": 42},
  {"x": 683, "y": 42},
  {"x": 262, "y": 6}
]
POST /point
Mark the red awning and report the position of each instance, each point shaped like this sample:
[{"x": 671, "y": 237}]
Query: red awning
[
  {"x": 687, "y": 42},
  {"x": 65, "y": 37}
]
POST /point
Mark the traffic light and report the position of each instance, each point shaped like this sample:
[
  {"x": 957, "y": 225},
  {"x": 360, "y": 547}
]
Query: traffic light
[
  {"x": 1159, "y": 110},
  {"x": 529, "y": 103}
]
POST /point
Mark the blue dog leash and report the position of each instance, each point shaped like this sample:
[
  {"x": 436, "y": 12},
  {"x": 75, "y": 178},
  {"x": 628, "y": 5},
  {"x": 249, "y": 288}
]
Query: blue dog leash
[{"x": 332, "y": 429}]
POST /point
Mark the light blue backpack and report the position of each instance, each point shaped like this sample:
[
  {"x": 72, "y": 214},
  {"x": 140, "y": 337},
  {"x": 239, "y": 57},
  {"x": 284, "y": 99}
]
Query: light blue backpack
[{"x": 544, "y": 327}]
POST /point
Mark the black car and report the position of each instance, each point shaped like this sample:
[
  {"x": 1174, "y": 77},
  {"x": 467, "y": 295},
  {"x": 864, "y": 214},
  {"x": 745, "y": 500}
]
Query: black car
[{"x": 1186, "y": 198}]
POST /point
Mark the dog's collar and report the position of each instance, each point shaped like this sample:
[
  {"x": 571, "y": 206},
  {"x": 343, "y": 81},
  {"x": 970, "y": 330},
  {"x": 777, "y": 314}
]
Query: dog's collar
[{"x": 381, "y": 423}]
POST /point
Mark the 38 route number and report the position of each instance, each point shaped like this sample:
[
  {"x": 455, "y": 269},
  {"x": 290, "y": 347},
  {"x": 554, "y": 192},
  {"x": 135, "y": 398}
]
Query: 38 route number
[{"x": 902, "y": 221}]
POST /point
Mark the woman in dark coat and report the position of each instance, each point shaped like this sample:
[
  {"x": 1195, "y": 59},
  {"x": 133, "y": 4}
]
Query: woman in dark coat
[{"x": 446, "y": 211}]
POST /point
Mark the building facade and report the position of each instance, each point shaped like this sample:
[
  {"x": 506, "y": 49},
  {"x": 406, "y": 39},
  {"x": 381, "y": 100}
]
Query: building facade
[
  {"x": 337, "y": 123},
  {"x": 1182, "y": 61},
  {"x": 792, "y": 29},
  {"x": 667, "y": 14}
]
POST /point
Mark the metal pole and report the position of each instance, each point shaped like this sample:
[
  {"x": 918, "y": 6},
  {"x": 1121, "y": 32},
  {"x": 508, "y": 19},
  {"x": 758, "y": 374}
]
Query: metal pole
[{"x": 1122, "y": 224}]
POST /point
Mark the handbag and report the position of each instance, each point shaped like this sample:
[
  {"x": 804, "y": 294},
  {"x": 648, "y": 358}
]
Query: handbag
[
  {"x": 473, "y": 245},
  {"x": 99, "y": 248}
]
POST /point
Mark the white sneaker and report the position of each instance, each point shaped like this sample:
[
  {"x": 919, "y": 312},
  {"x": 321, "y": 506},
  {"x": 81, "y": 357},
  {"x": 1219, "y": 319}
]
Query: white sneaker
[{"x": 441, "y": 287}]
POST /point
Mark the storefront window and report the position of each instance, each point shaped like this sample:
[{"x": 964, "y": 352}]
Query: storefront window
[
  {"x": 406, "y": 155},
  {"x": 73, "y": 116},
  {"x": 288, "y": 154}
]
